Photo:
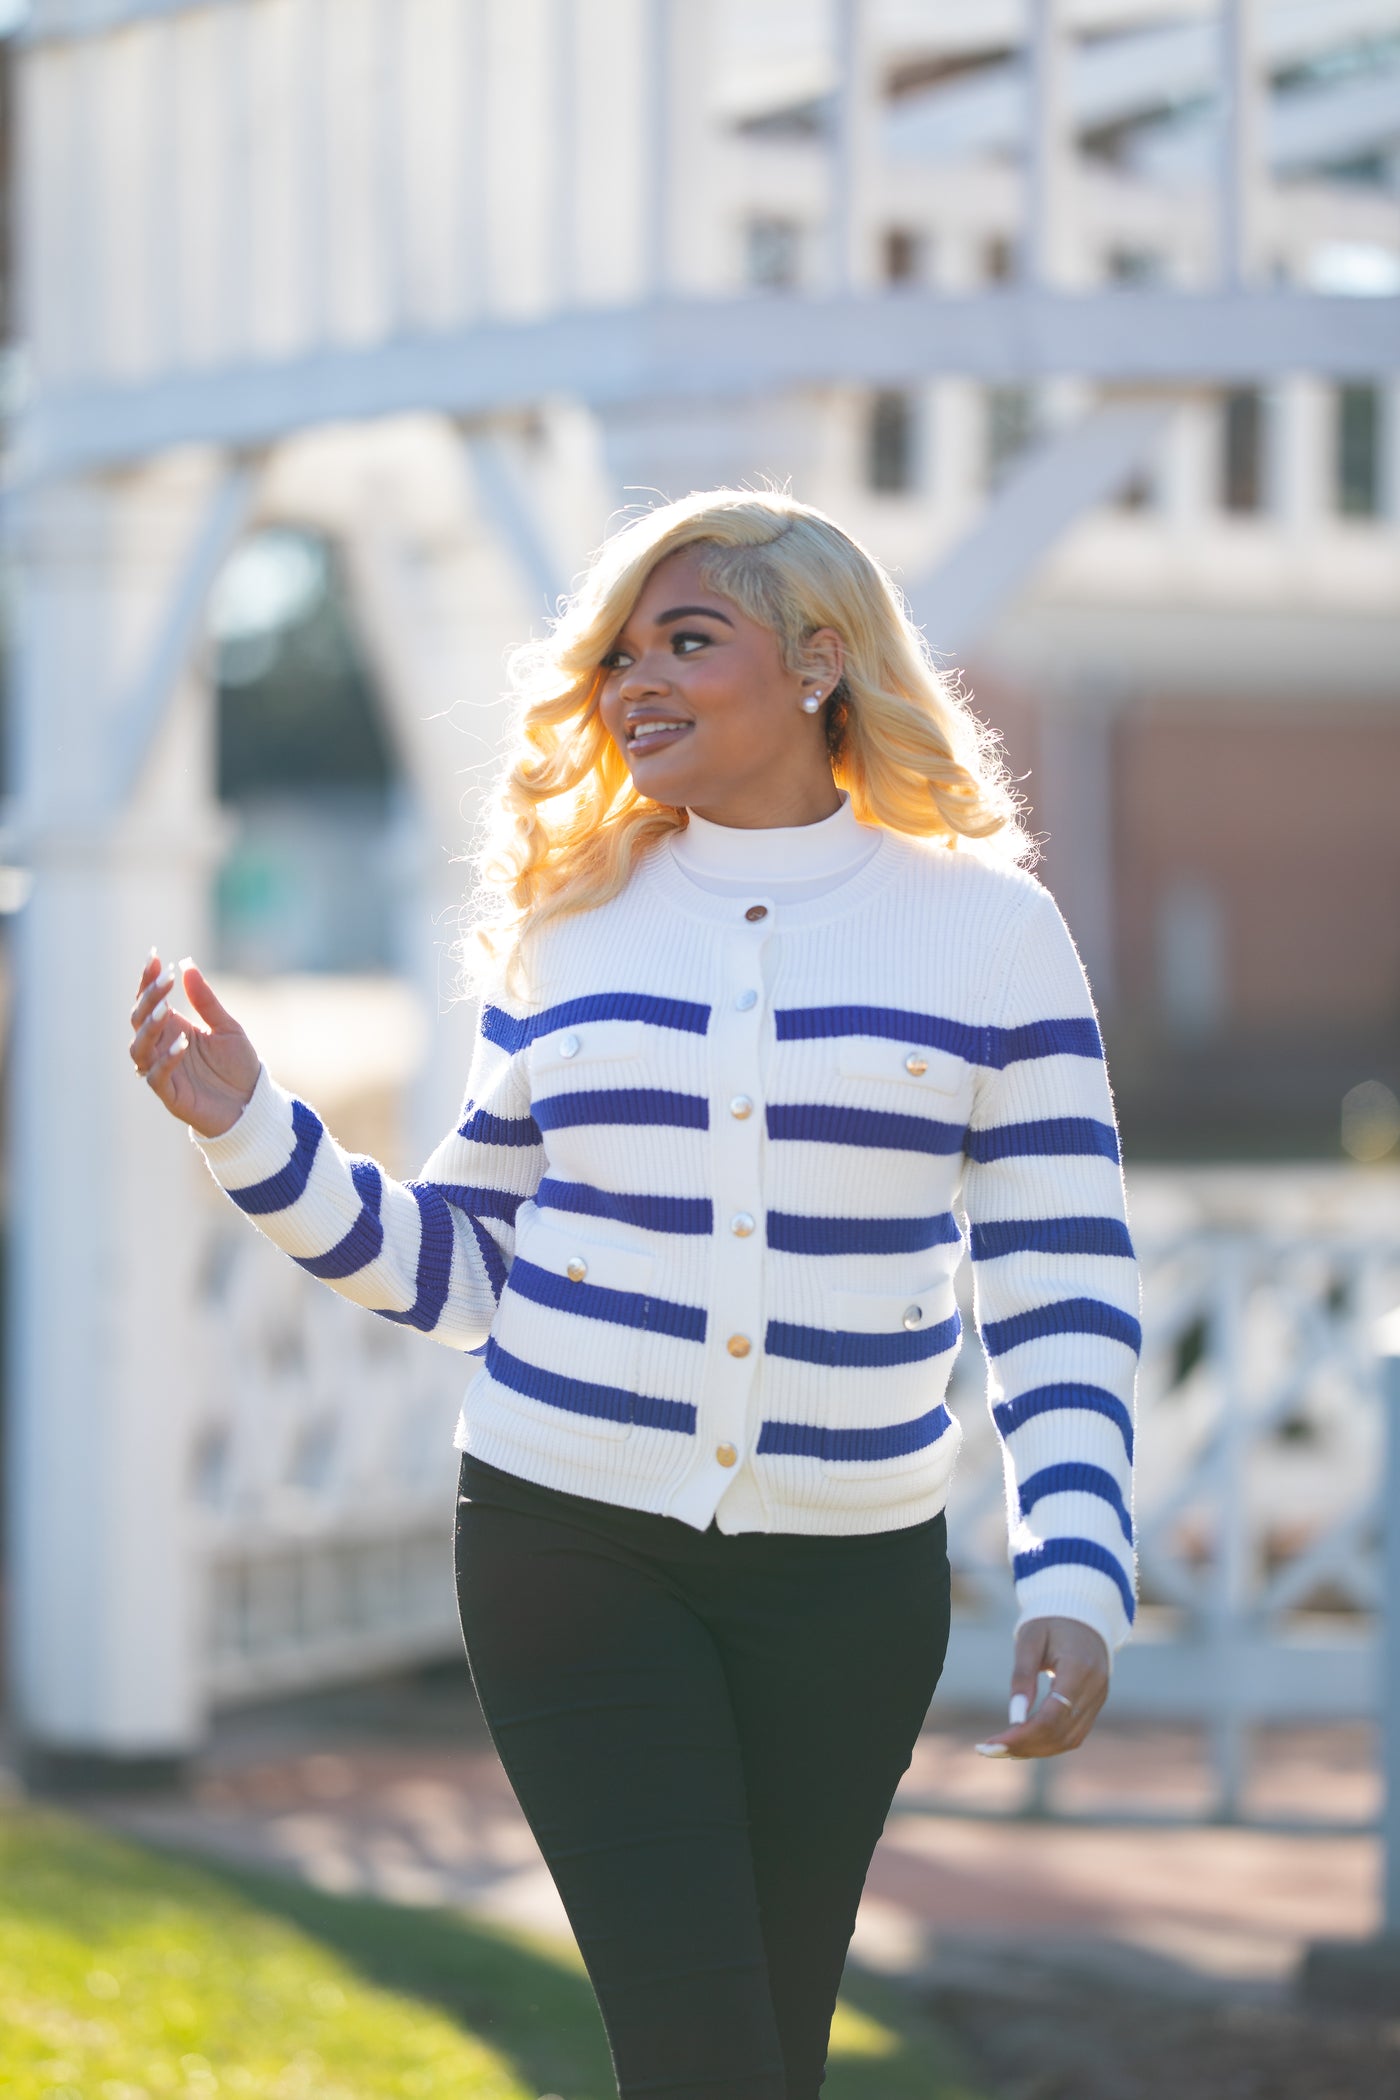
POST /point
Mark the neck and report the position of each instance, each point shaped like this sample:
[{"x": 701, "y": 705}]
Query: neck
[{"x": 770, "y": 805}]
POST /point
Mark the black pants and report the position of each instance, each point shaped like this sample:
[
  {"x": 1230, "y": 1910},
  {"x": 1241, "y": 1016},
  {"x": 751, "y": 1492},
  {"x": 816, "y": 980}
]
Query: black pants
[{"x": 705, "y": 1733}]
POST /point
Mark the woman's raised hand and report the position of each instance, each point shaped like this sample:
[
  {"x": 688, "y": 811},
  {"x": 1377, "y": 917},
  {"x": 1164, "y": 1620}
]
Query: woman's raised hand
[{"x": 204, "y": 1075}]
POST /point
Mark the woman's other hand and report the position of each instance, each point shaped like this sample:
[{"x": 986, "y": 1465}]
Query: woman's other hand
[
  {"x": 1076, "y": 1658},
  {"x": 204, "y": 1075}
]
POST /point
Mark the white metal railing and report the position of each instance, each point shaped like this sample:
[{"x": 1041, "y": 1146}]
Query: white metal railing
[
  {"x": 321, "y": 1479},
  {"x": 1261, "y": 1446},
  {"x": 323, "y": 1486}
]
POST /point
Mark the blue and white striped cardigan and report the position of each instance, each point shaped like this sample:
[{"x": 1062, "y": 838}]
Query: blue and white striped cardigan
[{"x": 701, "y": 1209}]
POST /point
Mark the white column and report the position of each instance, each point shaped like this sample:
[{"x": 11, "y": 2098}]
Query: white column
[
  {"x": 474, "y": 242},
  {"x": 1050, "y": 161},
  {"x": 698, "y": 225},
  {"x": 104, "y": 1335},
  {"x": 1301, "y": 438},
  {"x": 851, "y": 233},
  {"x": 1190, "y": 471},
  {"x": 314, "y": 131},
  {"x": 658, "y": 214},
  {"x": 1390, "y": 453},
  {"x": 392, "y": 175},
  {"x": 564, "y": 86},
  {"x": 1241, "y": 161}
]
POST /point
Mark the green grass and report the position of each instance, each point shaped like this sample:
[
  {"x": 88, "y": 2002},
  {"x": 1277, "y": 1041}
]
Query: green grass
[{"x": 128, "y": 1975}]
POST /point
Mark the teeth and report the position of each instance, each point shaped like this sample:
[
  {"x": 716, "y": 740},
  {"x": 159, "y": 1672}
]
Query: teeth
[{"x": 647, "y": 729}]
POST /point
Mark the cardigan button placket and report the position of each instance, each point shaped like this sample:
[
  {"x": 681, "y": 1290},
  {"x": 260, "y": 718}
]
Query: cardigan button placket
[{"x": 738, "y": 1018}]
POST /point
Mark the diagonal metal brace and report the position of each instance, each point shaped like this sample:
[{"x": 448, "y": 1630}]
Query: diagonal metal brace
[
  {"x": 1047, "y": 493},
  {"x": 139, "y": 718},
  {"x": 510, "y": 506}
]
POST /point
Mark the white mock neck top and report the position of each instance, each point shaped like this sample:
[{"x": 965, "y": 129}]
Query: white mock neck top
[{"x": 789, "y": 863}]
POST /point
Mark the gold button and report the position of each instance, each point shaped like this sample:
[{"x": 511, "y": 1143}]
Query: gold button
[
  {"x": 738, "y": 1345},
  {"x": 726, "y": 1454},
  {"x": 741, "y": 1106},
  {"x": 913, "y": 1314},
  {"x": 915, "y": 1064},
  {"x": 577, "y": 1268},
  {"x": 756, "y": 912}
]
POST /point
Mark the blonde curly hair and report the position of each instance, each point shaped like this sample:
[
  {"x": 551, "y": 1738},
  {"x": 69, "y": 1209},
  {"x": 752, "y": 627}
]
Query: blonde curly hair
[{"x": 565, "y": 825}]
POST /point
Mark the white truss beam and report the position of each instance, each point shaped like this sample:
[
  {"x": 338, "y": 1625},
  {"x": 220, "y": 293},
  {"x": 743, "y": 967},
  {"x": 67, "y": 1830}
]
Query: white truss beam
[{"x": 727, "y": 347}]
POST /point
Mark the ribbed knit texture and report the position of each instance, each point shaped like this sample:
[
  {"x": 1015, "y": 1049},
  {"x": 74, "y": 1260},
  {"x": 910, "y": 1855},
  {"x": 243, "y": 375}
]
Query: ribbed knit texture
[{"x": 701, "y": 1213}]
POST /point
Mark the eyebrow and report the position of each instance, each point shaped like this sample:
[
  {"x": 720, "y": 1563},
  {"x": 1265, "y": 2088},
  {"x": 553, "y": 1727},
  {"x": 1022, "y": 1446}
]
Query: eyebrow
[{"x": 679, "y": 612}]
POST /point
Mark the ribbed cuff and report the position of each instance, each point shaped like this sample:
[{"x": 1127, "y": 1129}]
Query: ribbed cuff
[
  {"x": 1110, "y": 1625},
  {"x": 259, "y": 1144}
]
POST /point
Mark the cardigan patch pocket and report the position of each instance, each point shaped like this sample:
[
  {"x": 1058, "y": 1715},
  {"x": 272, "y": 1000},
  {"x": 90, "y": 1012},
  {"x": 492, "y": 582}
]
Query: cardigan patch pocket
[
  {"x": 913, "y": 1067},
  {"x": 552, "y": 1058},
  {"x": 570, "y": 1325},
  {"x": 883, "y": 1348},
  {"x": 916, "y": 1314}
]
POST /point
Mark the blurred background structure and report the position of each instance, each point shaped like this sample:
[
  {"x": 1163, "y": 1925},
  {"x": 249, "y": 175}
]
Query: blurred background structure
[{"x": 338, "y": 333}]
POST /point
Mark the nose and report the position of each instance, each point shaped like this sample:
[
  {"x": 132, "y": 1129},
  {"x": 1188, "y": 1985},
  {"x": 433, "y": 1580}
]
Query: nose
[{"x": 643, "y": 677}]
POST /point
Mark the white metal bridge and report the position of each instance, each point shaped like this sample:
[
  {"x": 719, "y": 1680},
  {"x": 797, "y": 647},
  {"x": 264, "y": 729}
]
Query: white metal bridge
[{"x": 443, "y": 279}]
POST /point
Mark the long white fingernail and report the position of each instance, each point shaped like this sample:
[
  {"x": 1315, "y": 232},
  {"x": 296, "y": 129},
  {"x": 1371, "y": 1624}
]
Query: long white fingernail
[
  {"x": 991, "y": 1750},
  {"x": 186, "y": 963},
  {"x": 1020, "y": 1706},
  {"x": 158, "y": 1013}
]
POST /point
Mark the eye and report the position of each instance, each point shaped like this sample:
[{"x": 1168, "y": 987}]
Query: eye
[
  {"x": 678, "y": 640},
  {"x": 615, "y": 660}
]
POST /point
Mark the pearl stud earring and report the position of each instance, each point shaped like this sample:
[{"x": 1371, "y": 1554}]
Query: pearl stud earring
[{"x": 811, "y": 703}]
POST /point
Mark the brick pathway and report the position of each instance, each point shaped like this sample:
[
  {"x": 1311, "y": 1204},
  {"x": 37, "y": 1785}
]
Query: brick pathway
[{"x": 395, "y": 1790}]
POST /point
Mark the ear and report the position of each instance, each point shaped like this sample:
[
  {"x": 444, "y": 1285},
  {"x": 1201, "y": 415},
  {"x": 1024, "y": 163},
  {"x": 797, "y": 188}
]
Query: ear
[{"x": 826, "y": 652}]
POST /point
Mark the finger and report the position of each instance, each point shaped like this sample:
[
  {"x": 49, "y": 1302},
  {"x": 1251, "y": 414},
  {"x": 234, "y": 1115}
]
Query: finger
[
  {"x": 163, "y": 1070},
  {"x": 151, "y": 1042},
  {"x": 153, "y": 990},
  {"x": 1065, "y": 1716},
  {"x": 1029, "y": 1659},
  {"x": 1061, "y": 1721},
  {"x": 203, "y": 998},
  {"x": 1051, "y": 1729}
]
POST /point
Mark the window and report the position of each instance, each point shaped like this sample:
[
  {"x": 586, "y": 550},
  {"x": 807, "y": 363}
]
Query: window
[
  {"x": 773, "y": 253},
  {"x": 890, "y": 443},
  {"x": 1192, "y": 973},
  {"x": 1134, "y": 267},
  {"x": 306, "y": 768},
  {"x": 1358, "y": 442},
  {"x": 1010, "y": 428},
  {"x": 903, "y": 255},
  {"x": 1242, "y": 461}
]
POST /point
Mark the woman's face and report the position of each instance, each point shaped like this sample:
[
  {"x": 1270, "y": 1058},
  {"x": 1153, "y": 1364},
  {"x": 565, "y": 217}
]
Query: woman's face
[{"x": 698, "y": 701}]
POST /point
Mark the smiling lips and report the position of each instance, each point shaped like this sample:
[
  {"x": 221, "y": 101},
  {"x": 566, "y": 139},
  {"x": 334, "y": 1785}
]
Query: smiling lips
[{"x": 653, "y": 733}]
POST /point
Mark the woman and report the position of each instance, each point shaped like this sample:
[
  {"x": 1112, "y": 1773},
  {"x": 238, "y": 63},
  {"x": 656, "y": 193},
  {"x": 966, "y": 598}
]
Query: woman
[{"x": 770, "y": 995}]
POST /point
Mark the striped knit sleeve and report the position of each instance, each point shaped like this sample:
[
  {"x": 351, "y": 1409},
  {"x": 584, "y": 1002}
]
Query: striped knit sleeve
[
  {"x": 430, "y": 1253},
  {"x": 1056, "y": 1285}
]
